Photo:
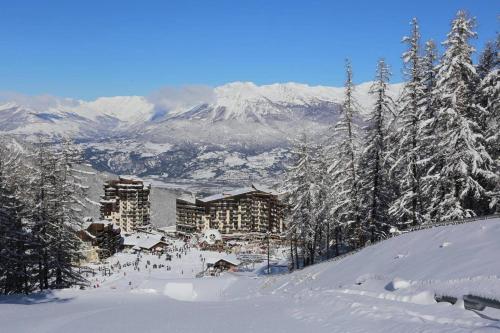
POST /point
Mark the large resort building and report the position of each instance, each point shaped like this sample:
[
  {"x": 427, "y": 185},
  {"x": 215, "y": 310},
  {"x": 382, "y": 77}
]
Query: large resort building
[
  {"x": 245, "y": 211},
  {"x": 126, "y": 203}
]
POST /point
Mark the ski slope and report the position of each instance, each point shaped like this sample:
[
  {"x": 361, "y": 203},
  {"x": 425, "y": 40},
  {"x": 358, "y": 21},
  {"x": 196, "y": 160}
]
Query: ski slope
[{"x": 387, "y": 287}]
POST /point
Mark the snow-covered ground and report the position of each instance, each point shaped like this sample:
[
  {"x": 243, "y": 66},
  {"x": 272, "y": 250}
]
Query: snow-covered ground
[{"x": 387, "y": 287}]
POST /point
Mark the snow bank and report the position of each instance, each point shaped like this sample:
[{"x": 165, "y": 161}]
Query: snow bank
[{"x": 398, "y": 283}]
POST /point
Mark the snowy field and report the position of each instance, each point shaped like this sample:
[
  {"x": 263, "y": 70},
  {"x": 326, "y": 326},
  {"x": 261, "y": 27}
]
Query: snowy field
[{"x": 388, "y": 287}]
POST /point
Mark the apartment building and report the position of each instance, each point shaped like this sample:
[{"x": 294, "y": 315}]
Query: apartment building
[
  {"x": 126, "y": 203},
  {"x": 242, "y": 211}
]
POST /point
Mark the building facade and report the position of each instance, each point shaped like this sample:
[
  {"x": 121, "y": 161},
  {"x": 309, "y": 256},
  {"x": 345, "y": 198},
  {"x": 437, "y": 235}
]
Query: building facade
[
  {"x": 126, "y": 203},
  {"x": 102, "y": 239},
  {"x": 243, "y": 211}
]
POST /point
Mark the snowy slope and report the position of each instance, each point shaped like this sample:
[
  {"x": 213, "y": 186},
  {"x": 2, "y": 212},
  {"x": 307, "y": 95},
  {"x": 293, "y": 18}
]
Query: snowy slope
[
  {"x": 451, "y": 260},
  {"x": 236, "y": 97},
  {"x": 388, "y": 287},
  {"x": 128, "y": 109}
]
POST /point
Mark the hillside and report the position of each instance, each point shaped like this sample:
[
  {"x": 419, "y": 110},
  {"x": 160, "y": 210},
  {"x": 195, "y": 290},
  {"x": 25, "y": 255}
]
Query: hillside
[{"x": 387, "y": 287}]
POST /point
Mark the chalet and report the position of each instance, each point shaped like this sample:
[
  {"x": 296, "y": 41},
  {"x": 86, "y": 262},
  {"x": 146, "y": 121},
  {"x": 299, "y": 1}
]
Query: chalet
[
  {"x": 144, "y": 242},
  {"x": 243, "y": 211},
  {"x": 221, "y": 264},
  {"x": 101, "y": 238}
]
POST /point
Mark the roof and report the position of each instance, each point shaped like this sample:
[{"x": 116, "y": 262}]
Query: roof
[
  {"x": 88, "y": 234},
  {"x": 130, "y": 177},
  {"x": 229, "y": 258},
  {"x": 142, "y": 240},
  {"x": 265, "y": 189},
  {"x": 128, "y": 181},
  {"x": 188, "y": 198},
  {"x": 90, "y": 222},
  {"x": 240, "y": 191},
  {"x": 168, "y": 228}
]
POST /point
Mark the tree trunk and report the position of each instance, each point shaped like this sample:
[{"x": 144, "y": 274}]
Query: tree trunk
[
  {"x": 337, "y": 241},
  {"x": 328, "y": 241}
]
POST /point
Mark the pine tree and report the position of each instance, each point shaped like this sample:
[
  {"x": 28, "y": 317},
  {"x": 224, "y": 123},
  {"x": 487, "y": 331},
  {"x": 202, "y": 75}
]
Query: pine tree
[
  {"x": 303, "y": 193},
  {"x": 40, "y": 200},
  {"x": 40, "y": 215},
  {"x": 428, "y": 122},
  {"x": 406, "y": 154},
  {"x": 56, "y": 218},
  {"x": 14, "y": 238},
  {"x": 375, "y": 192},
  {"x": 70, "y": 193},
  {"x": 460, "y": 177},
  {"x": 488, "y": 60},
  {"x": 488, "y": 99},
  {"x": 343, "y": 155}
]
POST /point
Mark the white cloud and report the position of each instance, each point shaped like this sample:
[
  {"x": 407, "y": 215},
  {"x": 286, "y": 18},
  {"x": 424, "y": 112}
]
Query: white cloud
[
  {"x": 165, "y": 100},
  {"x": 169, "y": 98},
  {"x": 36, "y": 102}
]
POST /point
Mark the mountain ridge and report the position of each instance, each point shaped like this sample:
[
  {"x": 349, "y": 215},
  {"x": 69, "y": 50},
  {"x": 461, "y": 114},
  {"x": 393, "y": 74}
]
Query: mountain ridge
[{"x": 170, "y": 135}]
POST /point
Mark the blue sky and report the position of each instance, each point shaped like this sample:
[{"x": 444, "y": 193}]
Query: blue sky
[{"x": 86, "y": 49}]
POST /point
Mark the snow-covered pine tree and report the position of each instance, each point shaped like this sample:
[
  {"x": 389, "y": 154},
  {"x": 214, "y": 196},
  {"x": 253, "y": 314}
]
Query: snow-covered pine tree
[
  {"x": 488, "y": 99},
  {"x": 14, "y": 238},
  {"x": 488, "y": 59},
  {"x": 343, "y": 153},
  {"x": 323, "y": 220},
  {"x": 429, "y": 73},
  {"x": 42, "y": 197},
  {"x": 460, "y": 179},
  {"x": 428, "y": 119},
  {"x": 375, "y": 190},
  {"x": 407, "y": 149},
  {"x": 57, "y": 198},
  {"x": 70, "y": 195},
  {"x": 302, "y": 195}
]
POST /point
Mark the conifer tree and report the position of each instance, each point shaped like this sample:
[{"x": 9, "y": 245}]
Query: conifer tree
[
  {"x": 14, "y": 239},
  {"x": 406, "y": 154},
  {"x": 428, "y": 121},
  {"x": 343, "y": 155},
  {"x": 70, "y": 193},
  {"x": 374, "y": 183},
  {"x": 488, "y": 99},
  {"x": 460, "y": 179},
  {"x": 300, "y": 184}
]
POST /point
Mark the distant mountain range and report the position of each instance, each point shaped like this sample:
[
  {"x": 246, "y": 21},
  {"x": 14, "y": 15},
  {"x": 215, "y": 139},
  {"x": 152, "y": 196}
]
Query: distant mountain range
[{"x": 237, "y": 132}]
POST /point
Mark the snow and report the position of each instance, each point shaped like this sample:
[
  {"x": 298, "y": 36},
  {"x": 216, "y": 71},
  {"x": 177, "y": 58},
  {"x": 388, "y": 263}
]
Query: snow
[
  {"x": 236, "y": 97},
  {"x": 219, "y": 196},
  {"x": 234, "y": 160},
  {"x": 238, "y": 191},
  {"x": 142, "y": 240},
  {"x": 398, "y": 283},
  {"x": 124, "y": 108},
  {"x": 374, "y": 290},
  {"x": 236, "y": 100}
]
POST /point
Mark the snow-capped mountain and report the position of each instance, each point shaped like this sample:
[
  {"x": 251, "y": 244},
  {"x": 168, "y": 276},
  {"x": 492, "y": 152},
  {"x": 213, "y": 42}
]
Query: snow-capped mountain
[{"x": 238, "y": 130}]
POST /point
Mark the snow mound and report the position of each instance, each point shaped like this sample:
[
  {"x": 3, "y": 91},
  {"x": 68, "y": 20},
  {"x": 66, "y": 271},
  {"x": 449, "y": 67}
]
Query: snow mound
[
  {"x": 398, "y": 283},
  {"x": 144, "y": 291},
  {"x": 424, "y": 297},
  {"x": 181, "y": 291}
]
